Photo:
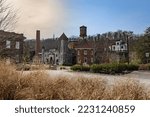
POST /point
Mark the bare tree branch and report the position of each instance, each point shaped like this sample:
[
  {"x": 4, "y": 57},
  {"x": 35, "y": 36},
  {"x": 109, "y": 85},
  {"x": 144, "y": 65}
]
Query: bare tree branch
[{"x": 8, "y": 16}]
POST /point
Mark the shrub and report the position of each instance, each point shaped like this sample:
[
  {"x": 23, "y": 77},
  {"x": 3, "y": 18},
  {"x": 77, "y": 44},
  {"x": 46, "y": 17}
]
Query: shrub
[
  {"x": 76, "y": 68},
  {"x": 85, "y": 68},
  {"x": 144, "y": 67},
  {"x": 103, "y": 68},
  {"x": 132, "y": 67},
  {"x": 96, "y": 68},
  {"x": 80, "y": 68},
  {"x": 113, "y": 68}
]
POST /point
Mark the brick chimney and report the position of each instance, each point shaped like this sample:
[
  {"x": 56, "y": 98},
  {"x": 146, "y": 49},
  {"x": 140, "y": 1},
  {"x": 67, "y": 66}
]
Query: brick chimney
[
  {"x": 37, "y": 43},
  {"x": 83, "y": 32}
]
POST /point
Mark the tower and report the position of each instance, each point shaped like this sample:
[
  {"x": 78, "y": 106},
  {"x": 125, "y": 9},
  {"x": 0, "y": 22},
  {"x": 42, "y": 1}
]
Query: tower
[
  {"x": 38, "y": 43},
  {"x": 83, "y": 32},
  {"x": 63, "y": 48}
]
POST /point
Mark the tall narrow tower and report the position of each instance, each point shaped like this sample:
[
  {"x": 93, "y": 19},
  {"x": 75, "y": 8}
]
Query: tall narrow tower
[
  {"x": 83, "y": 32},
  {"x": 63, "y": 48},
  {"x": 38, "y": 43}
]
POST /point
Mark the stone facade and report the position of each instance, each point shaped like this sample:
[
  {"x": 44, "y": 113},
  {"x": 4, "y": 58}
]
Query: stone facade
[
  {"x": 57, "y": 52},
  {"x": 118, "y": 51},
  {"x": 11, "y": 46},
  {"x": 105, "y": 48},
  {"x": 64, "y": 50},
  {"x": 50, "y": 57}
]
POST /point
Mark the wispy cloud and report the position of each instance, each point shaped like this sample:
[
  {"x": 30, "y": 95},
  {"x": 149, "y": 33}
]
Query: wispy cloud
[{"x": 50, "y": 16}]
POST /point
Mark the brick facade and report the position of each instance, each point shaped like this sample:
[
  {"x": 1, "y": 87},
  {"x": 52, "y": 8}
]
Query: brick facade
[
  {"x": 85, "y": 56},
  {"x": 38, "y": 48},
  {"x": 84, "y": 52}
]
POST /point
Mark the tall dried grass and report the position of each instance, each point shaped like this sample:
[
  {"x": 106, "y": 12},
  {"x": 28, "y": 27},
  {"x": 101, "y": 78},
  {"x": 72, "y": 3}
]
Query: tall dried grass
[
  {"x": 8, "y": 80},
  {"x": 129, "y": 89},
  {"x": 41, "y": 86}
]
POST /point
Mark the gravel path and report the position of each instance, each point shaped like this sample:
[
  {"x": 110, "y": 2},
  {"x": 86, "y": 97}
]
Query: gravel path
[{"x": 142, "y": 76}]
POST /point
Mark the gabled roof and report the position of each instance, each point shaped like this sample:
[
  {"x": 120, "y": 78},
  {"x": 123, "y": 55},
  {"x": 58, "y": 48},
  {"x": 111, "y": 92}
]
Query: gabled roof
[
  {"x": 85, "y": 44},
  {"x": 63, "y": 37}
]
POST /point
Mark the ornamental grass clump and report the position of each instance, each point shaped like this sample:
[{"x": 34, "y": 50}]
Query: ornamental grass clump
[
  {"x": 40, "y": 85},
  {"x": 8, "y": 80},
  {"x": 129, "y": 89}
]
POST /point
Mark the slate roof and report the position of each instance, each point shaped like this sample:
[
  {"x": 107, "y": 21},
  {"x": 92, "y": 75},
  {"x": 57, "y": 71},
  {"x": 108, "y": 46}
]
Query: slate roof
[
  {"x": 85, "y": 44},
  {"x": 48, "y": 43},
  {"x": 63, "y": 37}
]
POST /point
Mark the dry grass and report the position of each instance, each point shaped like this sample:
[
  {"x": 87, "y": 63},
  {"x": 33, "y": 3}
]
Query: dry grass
[
  {"x": 40, "y": 86},
  {"x": 8, "y": 81},
  {"x": 129, "y": 89}
]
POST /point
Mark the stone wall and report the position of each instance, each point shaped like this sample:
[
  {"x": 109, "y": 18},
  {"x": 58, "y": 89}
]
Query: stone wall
[{"x": 11, "y": 46}]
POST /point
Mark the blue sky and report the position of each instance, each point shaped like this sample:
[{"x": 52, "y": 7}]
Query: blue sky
[
  {"x": 108, "y": 15},
  {"x": 100, "y": 16}
]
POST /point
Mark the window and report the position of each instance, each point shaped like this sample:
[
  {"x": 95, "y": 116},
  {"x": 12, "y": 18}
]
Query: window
[
  {"x": 114, "y": 48},
  {"x": 7, "y": 44},
  {"x": 85, "y": 52},
  {"x": 78, "y": 52},
  {"x": 17, "y": 45},
  {"x": 122, "y": 47},
  {"x": 79, "y": 61},
  {"x": 117, "y": 43},
  {"x": 57, "y": 62},
  {"x": 85, "y": 59}
]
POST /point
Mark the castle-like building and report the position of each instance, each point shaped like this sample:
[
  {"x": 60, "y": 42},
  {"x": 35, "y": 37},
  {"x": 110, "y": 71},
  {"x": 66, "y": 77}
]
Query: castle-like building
[
  {"x": 83, "y": 50},
  {"x": 63, "y": 51}
]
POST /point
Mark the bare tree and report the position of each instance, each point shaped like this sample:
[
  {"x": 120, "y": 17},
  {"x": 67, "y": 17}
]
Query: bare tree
[
  {"x": 8, "y": 16},
  {"x": 8, "y": 19}
]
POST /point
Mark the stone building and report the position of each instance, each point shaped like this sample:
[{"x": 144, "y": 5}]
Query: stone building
[
  {"x": 64, "y": 50},
  {"x": 118, "y": 51},
  {"x": 11, "y": 46},
  {"x": 51, "y": 51},
  {"x": 85, "y": 50},
  {"x": 58, "y": 53}
]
